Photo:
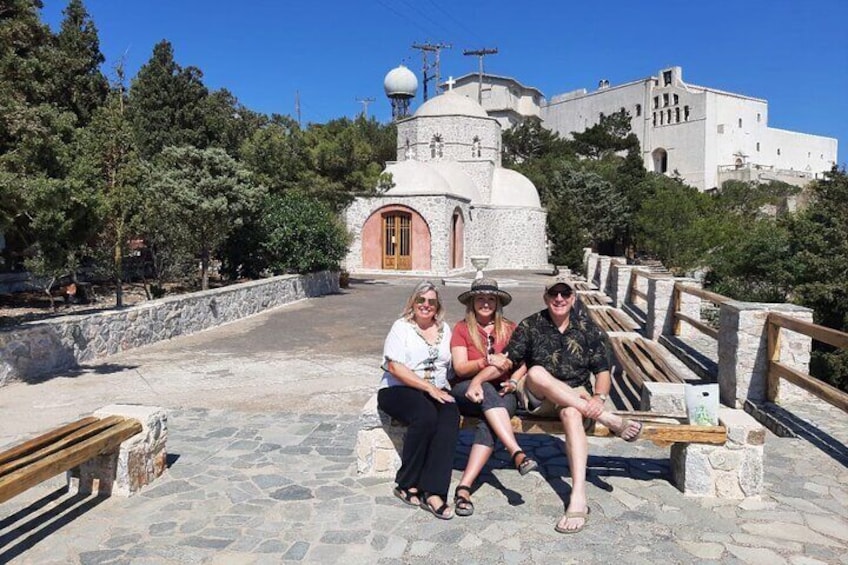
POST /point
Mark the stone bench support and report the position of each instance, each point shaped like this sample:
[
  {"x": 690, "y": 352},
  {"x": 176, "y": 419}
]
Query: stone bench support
[
  {"x": 743, "y": 351},
  {"x": 137, "y": 462},
  {"x": 660, "y": 314},
  {"x": 733, "y": 470},
  {"x": 378, "y": 442}
]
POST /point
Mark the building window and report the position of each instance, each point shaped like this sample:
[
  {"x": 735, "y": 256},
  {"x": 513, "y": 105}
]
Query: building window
[
  {"x": 638, "y": 110},
  {"x": 475, "y": 147},
  {"x": 740, "y": 122},
  {"x": 808, "y": 154},
  {"x": 677, "y": 115},
  {"x": 666, "y": 78},
  {"x": 720, "y": 128},
  {"x": 601, "y": 117},
  {"x": 686, "y": 113},
  {"x": 655, "y": 118},
  {"x": 665, "y": 99},
  {"x": 758, "y": 147},
  {"x": 758, "y": 117},
  {"x": 436, "y": 147},
  {"x": 660, "y": 157},
  {"x": 662, "y": 117},
  {"x": 676, "y": 99},
  {"x": 656, "y": 102},
  {"x": 778, "y": 150},
  {"x": 668, "y": 115}
]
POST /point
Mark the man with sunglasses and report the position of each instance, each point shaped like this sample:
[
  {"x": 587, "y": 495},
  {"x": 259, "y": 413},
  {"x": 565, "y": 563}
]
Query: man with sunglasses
[{"x": 563, "y": 349}]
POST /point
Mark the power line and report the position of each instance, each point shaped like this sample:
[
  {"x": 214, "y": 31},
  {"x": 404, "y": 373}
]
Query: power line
[
  {"x": 458, "y": 22},
  {"x": 480, "y": 53},
  {"x": 365, "y": 102},
  {"x": 427, "y": 48}
]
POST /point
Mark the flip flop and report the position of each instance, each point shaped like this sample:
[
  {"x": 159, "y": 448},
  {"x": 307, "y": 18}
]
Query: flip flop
[
  {"x": 462, "y": 505},
  {"x": 440, "y": 512},
  {"x": 407, "y": 495},
  {"x": 584, "y": 515}
]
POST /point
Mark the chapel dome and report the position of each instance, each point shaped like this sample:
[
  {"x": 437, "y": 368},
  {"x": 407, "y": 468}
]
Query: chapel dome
[
  {"x": 400, "y": 82},
  {"x": 510, "y": 188},
  {"x": 451, "y": 104},
  {"x": 422, "y": 178}
]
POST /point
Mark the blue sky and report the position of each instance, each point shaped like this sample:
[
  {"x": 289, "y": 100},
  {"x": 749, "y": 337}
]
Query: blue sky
[{"x": 793, "y": 53}]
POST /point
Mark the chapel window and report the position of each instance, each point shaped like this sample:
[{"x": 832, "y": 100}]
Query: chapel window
[
  {"x": 676, "y": 99},
  {"x": 758, "y": 117},
  {"x": 436, "y": 147},
  {"x": 668, "y": 115},
  {"x": 656, "y": 102},
  {"x": 475, "y": 147},
  {"x": 758, "y": 147},
  {"x": 686, "y": 113},
  {"x": 638, "y": 110},
  {"x": 778, "y": 150},
  {"x": 666, "y": 78},
  {"x": 655, "y": 118},
  {"x": 740, "y": 122},
  {"x": 665, "y": 99},
  {"x": 677, "y": 115}
]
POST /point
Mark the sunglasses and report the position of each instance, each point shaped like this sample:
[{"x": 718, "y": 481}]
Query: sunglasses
[
  {"x": 565, "y": 293},
  {"x": 490, "y": 339},
  {"x": 434, "y": 302}
]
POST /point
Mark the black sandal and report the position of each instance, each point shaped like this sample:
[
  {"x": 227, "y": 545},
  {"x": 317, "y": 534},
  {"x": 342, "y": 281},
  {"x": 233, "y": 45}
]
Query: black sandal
[
  {"x": 526, "y": 464},
  {"x": 407, "y": 495},
  {"x": 462, "y": 504},
  {"x": 441, "y": 512}
]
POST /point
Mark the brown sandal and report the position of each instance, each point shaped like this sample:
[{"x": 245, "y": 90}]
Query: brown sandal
[{"x": 526, "y": 464}]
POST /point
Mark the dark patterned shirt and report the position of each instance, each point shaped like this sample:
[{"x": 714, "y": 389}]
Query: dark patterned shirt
[{"x": 571, "y": 356}]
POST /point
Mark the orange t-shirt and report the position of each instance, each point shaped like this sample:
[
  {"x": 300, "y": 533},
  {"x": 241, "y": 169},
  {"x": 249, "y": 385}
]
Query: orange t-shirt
[{"x": 462, "y": 338}]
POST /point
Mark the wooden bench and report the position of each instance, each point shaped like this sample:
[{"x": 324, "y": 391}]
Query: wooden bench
[
  {"x": 119, "y": 449},
  {"x": 663, "y": 430}
]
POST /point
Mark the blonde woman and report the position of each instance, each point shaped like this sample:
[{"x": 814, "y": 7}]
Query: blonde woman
[
  {"x": 414, "y": 390},
  {"x": 483, "y": 386}
]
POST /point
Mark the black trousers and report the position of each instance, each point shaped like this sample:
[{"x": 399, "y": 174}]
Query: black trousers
[{"x": 430, "y": 442}]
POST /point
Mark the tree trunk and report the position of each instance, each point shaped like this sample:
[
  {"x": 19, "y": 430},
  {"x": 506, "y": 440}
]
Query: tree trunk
[
  {"x": 204, "y": 270},
  {"x": 118, "y": 266}
]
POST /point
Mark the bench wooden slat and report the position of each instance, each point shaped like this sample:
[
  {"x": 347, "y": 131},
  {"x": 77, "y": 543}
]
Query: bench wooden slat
[
  {"x": 43, "y": 469},
  {"x": 632, "y": 369},
  {"x": 44, "y": 439},
  {"x": 655, "y": 353},
  {"x": 91, "y": 429},
  {"x": 654, "y": 429}
]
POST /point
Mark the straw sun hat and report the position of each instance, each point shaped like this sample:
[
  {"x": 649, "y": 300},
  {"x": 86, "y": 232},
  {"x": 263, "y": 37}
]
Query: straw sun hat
[{"x": 485, "y": 286}]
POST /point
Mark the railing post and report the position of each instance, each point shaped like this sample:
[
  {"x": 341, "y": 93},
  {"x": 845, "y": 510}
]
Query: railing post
[
  {"x": 658, "y": 318},
  {"x": 591, "y": 266},
  {"x": 675, "y": 293},
  {"x": 621, "y": 277},
  {"x": 743, "y": 351},
  {"x": 773, "y": 390}
]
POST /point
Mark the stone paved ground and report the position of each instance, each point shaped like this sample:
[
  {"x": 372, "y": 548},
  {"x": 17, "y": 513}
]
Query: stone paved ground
[{"x": 263, "y": 419}]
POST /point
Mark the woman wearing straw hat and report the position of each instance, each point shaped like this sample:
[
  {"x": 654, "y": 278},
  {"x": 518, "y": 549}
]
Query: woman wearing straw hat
[{"x": 483, "y": 386}]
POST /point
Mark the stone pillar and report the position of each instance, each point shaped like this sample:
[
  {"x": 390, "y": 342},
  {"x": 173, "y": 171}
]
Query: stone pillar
[
  {"x": 743, "y": 351},
  {"x": 658, "y": 321},
  {"x": 137, "y": 462},
  {"x": 591, "y": 267},
  {"x": 378, "y": 442},
  {"x": 664, "y": 398},
  {"x": 604, "y": 262},
  {"x": 733, "y": 470},
  {"x": 587, "y": 253},
  {"x": 620, "y": 284}
]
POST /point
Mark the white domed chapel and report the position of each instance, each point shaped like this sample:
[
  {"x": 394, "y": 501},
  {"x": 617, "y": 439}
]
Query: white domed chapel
[{"x": 450, "y": 198}]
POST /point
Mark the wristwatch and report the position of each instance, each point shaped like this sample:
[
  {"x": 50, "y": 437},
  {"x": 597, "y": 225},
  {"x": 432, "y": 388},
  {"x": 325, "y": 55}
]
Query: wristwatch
[{"x": 603, "y": 397}]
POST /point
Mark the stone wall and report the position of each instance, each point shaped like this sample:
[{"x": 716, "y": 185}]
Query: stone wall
[{"x": 36, "y": 349}]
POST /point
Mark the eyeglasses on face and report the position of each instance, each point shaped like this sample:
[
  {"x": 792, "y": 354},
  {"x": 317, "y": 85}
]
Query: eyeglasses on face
[
  {"x": 565, "y": 293},
  {"x": 490, "y": 339},
  {"x": 431, "y": 301}
]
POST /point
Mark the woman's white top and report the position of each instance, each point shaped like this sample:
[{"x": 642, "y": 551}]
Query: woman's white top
[{"x": 405, "y": 345}]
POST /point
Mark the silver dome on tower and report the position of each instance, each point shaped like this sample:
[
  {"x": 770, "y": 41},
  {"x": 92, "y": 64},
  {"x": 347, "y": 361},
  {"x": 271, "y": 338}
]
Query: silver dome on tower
[{"x": 401, "y": 85}]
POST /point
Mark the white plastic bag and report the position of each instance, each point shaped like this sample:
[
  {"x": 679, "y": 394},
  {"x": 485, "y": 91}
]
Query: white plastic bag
[{"x": 702, "y": 404}]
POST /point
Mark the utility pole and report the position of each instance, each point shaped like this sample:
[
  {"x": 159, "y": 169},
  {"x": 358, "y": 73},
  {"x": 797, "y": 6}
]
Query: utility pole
[
  {"x": 430, "y": 48},
  {"x": 297, "y": 106},
  {"x": 480, "y": 53},
  {"x": 365, "y": 102}
]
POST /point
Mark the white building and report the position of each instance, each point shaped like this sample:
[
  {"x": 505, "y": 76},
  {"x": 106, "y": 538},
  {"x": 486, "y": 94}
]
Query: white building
[
  {"x": 451, "y": 200},
  {"x": 704, "y": 135}
]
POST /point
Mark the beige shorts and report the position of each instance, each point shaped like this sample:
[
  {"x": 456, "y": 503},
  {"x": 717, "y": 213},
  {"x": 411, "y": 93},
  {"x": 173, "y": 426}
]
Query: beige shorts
[{"x": 545, "y": 408}]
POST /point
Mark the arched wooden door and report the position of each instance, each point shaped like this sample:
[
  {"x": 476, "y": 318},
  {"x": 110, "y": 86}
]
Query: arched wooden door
[{"x": 397, "y": 241}]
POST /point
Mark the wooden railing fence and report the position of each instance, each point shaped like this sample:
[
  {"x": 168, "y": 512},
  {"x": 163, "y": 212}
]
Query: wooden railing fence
[
  {"x": 682, "y": 288},
  {"x": 777, "y": 370}
]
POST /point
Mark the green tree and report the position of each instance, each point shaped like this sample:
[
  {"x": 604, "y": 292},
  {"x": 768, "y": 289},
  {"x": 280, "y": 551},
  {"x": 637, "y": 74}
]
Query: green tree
[
  {"x": 108, "y": 163},
  {"x": 166, "y": 104},
  {"x": 226, "y": 122},
  {"x": 80, "y": 86},
  {"x": 197, "y": 197},
  {"x": 301, "y": 235},
  {"x": 276, "y": 154},
  {"x": 609, "y": 136}
]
